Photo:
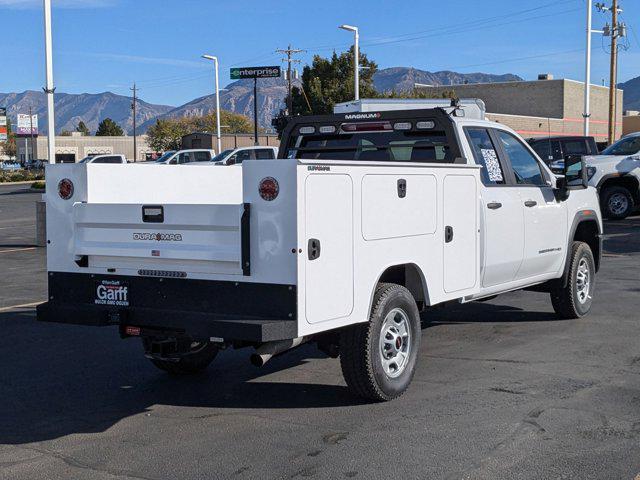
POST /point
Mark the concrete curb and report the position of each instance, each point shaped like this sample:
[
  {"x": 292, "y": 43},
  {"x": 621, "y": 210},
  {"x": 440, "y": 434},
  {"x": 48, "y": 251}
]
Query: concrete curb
[{"x": 24, "y": 182}]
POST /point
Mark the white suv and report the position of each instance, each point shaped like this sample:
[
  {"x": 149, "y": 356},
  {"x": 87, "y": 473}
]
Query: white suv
[
  {"x": 616, "y": 175},
  {"x": 185, "y": 156},
  {"x": 235, "y": 156}
]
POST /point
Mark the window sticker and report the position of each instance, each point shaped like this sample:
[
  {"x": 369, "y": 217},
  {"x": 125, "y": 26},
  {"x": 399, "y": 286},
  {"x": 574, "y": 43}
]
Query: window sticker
[{"x": 492, "y": 163}]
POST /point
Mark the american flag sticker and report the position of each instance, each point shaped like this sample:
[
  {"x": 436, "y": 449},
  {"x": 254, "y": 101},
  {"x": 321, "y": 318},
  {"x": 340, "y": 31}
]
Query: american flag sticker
[{"x": 155, "y": 253}]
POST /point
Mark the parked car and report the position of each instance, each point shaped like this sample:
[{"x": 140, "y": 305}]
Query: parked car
[
  {"x": 616, "y": 175},
  {"x": 365, "y": 218},
  {"x": 553, "y": 150},
  {"x": 236, "y": 156},
  {"x": 34, "y": 164},
  {"x": 107, "y": 158},
  {"x": 185, "y": 156}
]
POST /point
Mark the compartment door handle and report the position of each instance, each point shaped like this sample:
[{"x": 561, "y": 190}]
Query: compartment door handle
[{"x": 313, "y": 248}]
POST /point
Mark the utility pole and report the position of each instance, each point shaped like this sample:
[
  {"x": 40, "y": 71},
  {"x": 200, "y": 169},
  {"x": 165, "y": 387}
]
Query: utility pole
[
  {"x": 133, "y": 107},
  {"x": 613, "y": 68},
  {"x": 289, "y": 52},
  {"x": 615, "y": 31}
]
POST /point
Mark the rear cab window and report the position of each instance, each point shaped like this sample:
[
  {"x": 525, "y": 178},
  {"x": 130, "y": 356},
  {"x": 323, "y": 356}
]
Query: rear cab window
[{"x": 370, "y": 137}]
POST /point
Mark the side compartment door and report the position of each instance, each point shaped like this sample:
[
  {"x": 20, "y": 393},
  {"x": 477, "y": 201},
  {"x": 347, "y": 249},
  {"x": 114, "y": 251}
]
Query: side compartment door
[
  {"x": 329, "y": 247},
  {"x": 460, "y": 232},
  {"x": 501, "y": 215}
]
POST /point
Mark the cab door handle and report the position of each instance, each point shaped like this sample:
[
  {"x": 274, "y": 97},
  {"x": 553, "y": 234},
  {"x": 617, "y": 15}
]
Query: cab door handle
[
  {"x": 494, "y": 205},
  {"x": 530, "y": 203}
]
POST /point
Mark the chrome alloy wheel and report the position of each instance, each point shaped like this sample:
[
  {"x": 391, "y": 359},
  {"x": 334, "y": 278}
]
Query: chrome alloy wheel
[
  {"x": 583, "y": 281},
  {"x": 618, "y": 203},
  {"x": 395, "y": 342}
]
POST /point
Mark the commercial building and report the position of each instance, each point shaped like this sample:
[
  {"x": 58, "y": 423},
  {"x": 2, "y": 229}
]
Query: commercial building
[
  {"x": 631, "y": 122},
  {"x": 73, "y": 148},
  {"x": 542, "y": 107}
]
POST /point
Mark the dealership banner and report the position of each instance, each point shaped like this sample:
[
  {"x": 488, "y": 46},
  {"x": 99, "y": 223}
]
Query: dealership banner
[
  {"x": 25, "y": 124},
  {"x": 3, "y": 124}
]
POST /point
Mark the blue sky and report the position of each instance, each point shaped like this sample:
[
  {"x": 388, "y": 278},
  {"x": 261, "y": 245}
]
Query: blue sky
[{"x": 106, "y": 45}]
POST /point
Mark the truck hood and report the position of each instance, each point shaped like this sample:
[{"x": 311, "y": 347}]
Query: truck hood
[{"x": 618, "y": 163}]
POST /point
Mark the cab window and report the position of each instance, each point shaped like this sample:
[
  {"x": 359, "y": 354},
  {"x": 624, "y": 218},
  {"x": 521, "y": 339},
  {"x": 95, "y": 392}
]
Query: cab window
[
  {"x": 486, "y": 155},
  {"x": 264, "y": 154},
  {"x": 202, "y": 156},
  {"x": 525, "y": 166}
]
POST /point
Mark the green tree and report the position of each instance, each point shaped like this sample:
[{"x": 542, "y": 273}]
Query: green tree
[
  {"x": 82, "y": 128},
  {"x": 329, "y": 81},
  {"x": 167, "y": 133},
  {"x": 109, "y": 128},
  {"x": 65, "y": 133}
]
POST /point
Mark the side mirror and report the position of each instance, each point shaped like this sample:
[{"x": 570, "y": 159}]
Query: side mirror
[
  {"x": 573, "y": 177},
  {"x": 575, "y": 172}
]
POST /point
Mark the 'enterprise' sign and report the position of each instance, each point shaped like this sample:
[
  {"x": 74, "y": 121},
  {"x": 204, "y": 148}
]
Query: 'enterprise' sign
[{"x": 255, "y": 72}]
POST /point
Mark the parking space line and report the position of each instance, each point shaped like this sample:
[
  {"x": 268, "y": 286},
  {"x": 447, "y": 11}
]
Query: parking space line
[
  {"x": 18, "y": 249},
  {"x": 24, "y": 305}
]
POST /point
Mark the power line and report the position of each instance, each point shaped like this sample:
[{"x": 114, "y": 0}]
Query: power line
[{"x": 461, "y": 26}]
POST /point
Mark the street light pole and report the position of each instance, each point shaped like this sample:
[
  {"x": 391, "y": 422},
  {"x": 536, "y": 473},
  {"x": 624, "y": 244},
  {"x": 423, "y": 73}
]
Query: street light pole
[
  {"x": 356, "y": 57},
  {"x": 215, "y": 62},
  {"x": 49, "y": 89},
  {"x": 587, "y": 76}
]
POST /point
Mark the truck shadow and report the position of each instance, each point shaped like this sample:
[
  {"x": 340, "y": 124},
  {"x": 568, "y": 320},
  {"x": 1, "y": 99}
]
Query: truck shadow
[{"x": 58, "y": 380}]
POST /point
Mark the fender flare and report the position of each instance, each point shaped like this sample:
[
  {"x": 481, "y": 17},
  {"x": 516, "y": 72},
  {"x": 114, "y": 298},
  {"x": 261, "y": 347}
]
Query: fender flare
[{"x": 580, "y": 217}]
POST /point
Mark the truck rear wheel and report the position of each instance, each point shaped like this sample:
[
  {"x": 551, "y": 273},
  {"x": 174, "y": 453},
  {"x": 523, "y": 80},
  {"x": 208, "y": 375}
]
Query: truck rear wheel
[
  {"x": 197, "y": 359},
  {"x": 574, "y": 300},
  {"x": 378, "y": 358},
  {"x": 617, "y": 202}
]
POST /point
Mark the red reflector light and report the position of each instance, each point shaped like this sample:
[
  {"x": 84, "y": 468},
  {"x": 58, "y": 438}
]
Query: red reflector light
[
  {"x": 366, "y": 127},
  {"x": 133, "y": 331},
  {"x": 65, "y": 189},
  {"x": 269, "y": 188}
]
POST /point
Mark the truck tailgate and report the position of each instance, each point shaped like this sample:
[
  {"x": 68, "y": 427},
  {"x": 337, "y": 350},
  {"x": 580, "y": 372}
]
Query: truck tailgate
[{"x": 189, "y": 238}]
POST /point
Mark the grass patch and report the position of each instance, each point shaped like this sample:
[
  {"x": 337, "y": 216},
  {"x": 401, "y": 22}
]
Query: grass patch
[
  {"x": 39, "y": 185},
  {"x": 21, "y": 176}
]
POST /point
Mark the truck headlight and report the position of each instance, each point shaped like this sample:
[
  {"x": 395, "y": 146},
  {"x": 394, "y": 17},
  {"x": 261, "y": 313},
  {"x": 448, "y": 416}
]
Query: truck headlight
[{"x": 591, "y": 171}]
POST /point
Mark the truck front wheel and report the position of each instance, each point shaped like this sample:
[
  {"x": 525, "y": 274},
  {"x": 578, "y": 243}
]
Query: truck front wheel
[
  {"x": 378, "y": 358},
  {"x": 196, "y": 359},
  {"x": 574, "y": 300}
]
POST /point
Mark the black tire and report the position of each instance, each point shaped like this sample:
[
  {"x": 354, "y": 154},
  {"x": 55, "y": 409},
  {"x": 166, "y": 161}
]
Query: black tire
[
  {"x": 189, "y": 363},
  {"x": 361, "y": 350},
  {"x": 571, "y": 301},
  {"x": 617, "y": 202}
]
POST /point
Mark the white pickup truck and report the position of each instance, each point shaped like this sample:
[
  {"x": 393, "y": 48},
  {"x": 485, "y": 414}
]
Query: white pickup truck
[
  {"x": 366, "y": 219},
  {"x": 616, "y": 175}
]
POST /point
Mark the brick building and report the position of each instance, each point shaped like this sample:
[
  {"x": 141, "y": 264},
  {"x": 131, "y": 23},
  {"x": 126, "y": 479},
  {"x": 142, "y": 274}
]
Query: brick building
[{"x": 542, "y": 107}]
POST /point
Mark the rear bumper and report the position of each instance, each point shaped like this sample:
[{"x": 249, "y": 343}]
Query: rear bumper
[{"x": 198, "y": 308}]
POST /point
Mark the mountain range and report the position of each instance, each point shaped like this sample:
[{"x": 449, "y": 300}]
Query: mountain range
[
  {"x": 236, "y": 97},
  {"x": 70, "y": 109}
]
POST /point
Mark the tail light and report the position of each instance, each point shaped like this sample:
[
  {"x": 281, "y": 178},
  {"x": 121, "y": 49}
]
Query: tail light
[
  {"x": 65, "y": 189},
  {"x": 269, "y": 188}
]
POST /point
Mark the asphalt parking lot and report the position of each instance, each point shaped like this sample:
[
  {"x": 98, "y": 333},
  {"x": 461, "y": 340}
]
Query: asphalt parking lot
[{"x": 504, "y": 390}]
